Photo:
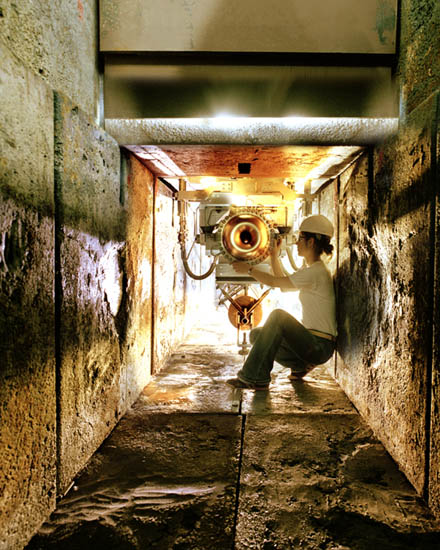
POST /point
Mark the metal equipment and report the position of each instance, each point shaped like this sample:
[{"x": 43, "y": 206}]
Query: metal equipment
[{"x": 239, "y": 227}]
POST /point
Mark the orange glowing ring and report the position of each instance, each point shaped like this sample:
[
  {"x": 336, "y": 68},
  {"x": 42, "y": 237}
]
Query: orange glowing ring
[{"x": 246, "y": 236}]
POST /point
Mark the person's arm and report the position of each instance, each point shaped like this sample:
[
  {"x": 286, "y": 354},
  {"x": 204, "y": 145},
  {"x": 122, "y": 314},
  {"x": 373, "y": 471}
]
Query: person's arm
[
  {"x": 263, "y": 277},
  {"x": 277, "y": 268}
]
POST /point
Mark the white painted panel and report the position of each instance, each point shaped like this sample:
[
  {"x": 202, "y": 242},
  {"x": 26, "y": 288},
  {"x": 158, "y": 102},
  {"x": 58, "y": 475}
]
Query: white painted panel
[{"x": 315, "y": 26}]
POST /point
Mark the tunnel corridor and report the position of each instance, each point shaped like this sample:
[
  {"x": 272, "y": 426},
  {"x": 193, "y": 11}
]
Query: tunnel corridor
[
  {"x": 117, "y": 430},
  {"x": 195, "y": 464}
]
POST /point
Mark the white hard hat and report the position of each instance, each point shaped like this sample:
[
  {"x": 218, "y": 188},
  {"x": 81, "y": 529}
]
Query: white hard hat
[{"x": 317, "y": 224}]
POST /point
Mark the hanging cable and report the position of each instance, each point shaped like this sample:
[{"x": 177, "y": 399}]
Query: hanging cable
[
  {"x": 183, "y": 232},
  {"x": 188, "y": 269}
]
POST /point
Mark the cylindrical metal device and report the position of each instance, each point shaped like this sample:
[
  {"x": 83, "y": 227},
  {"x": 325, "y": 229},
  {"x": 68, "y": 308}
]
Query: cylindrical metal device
[{"x": 246, "y": 236}]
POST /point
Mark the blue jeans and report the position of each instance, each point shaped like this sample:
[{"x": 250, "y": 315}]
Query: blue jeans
[{"x": 285, "y": 340}]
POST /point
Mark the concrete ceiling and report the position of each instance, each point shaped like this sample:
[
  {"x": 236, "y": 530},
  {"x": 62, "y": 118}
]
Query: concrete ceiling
[
  {"x": 299, "y": 151},
  {"x": 314, "y": 164},
  {"x": 310, "y": 85}
]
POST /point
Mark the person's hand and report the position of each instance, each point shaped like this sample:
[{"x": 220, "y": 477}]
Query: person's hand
[{"x": 240, "y": 267}]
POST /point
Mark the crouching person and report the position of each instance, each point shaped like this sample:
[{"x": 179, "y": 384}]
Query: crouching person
[{"x": 299, "y": 346}]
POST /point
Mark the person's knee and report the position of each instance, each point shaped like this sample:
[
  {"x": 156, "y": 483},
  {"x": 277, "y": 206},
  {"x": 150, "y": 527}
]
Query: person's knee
[
  {"x": 274, "y": 322},
  {"x": 275, "y": 313},
  {"x": 254, "y": 334},
  {"x": 276, "y": 316}
]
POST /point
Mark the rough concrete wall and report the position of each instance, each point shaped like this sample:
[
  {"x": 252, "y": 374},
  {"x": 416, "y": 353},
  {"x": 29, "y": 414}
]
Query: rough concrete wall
[
  {"x": 91, "y": 232},
  {"x": 169, "y": 279},
  {"x": 419, "y": 65},
  {"x": 179, "y": 300},
  {"x": 139, "y": 275},
  {"x": 384, "y": 288},
  {"x": 388, "y": 278},
  {"x": 27, "y": 328},
  {"x": 58, "y": 42},
  {"x": 327, "y": 204},
  {"x": 64, "y": 381},
  {"x": 419, "y": 73},
  {"x": 434, "y": 455}
]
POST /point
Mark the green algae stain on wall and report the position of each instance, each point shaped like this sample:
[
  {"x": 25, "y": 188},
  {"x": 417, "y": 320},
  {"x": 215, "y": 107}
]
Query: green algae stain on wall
[{"x": 385, "y": 21}]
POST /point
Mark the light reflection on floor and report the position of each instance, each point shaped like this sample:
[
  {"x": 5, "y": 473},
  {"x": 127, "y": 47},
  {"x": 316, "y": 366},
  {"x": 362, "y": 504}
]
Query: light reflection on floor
[
  {"x": 193, "y": 380},
  {"x": 195, "y": 463}
]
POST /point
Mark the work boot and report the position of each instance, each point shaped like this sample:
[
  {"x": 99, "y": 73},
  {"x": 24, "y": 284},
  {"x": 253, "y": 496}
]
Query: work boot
[
  {"x": 297, "y": 375},
  {"x": 240, "y": 385}
]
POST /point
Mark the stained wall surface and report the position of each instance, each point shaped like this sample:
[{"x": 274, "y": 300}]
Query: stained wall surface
[
  {"x": 179, "y": 300},
  {"x": 388, "y": 270},
  {"x": 385, "y": 207},
  {"x": 384, "y": 286},
  {"x": 59, "y": 44},
  {"x": 434, "y": 469},
  {"x": 27, "y": 321},
  {"x": 75, "y": 282},
  {"x": 138, "y": 303},
  {"x": 169, "y": 284},
  {"x": 90, "y": 237},
  {"x": 419, "y": 67}
]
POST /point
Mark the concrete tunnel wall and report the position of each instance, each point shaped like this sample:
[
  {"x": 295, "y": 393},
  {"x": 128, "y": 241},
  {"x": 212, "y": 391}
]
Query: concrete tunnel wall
[
  {"x": 386, "y": 277},
  {"x": 78, "y": 291},
  {"x": 386, "y": 208},
  {"x": 89, "y": 258}
]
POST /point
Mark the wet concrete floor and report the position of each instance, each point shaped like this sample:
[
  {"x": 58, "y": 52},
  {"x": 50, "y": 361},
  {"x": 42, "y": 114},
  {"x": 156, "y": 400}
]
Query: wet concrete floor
[{"x": 197, "y": 465}]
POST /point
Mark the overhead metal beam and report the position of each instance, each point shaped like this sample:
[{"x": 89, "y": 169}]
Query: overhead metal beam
[{"x": 251, "y": 131}]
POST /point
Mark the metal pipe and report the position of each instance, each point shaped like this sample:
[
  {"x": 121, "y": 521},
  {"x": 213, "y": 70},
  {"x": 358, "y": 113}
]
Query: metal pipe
[
  {"x": 182, "y": 241},
  {"x": 188, "y": 269}
]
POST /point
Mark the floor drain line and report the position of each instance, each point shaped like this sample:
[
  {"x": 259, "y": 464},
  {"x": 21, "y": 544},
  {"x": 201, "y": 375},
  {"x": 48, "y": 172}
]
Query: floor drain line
[{"x": 237, "y": 489}]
